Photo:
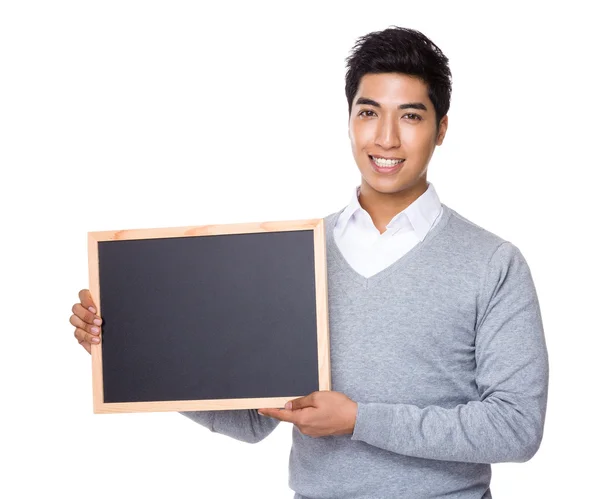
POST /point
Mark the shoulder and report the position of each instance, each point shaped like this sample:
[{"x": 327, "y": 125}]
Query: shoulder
[
  {"x": 332, "y": 218},
  {"x": 494, "y": 256},
  {"x": 462, "y": 227},
  {"x": 497, "y": 256},
  {"x": 473, "y": 238}
]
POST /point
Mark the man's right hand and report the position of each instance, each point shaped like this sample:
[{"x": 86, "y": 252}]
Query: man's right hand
[{"x": 87, "y": 323}]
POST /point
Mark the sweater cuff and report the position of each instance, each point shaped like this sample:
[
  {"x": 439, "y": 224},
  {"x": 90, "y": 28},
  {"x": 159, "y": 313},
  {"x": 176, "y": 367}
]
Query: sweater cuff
[{"x": 373, "y": 424}]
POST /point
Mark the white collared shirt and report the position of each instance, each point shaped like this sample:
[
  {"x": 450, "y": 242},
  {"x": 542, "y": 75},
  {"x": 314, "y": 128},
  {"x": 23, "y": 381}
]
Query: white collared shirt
[{"x": 369, "y": 252}]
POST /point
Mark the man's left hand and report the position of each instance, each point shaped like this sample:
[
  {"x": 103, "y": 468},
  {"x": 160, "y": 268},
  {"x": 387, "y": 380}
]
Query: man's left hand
[{"x": 319, "y": 414}]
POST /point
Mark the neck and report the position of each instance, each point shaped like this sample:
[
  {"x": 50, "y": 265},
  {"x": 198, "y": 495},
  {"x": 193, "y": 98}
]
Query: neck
[{"x": 382, "y": 207}]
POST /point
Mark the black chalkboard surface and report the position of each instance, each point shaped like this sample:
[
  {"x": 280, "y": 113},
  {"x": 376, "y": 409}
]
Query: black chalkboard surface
[{"x": 210, "y": 317}]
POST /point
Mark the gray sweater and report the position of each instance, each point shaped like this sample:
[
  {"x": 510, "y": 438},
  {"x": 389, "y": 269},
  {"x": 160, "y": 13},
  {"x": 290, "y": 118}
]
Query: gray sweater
[{"x": 444, "y": 352}]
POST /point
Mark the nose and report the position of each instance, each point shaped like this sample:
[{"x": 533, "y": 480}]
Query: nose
[{"x": 388, "y": 133}]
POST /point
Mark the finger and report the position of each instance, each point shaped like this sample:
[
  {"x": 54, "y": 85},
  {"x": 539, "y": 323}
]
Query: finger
[
  {"x": 88, "y": 328},
  {"x": 83, "y": 336},
  {"x": 85, "y": 315},
  {"x": 85, "y": 297},
  {"x": 281, "y": 414},
  {"x": 302, "y": 402}
]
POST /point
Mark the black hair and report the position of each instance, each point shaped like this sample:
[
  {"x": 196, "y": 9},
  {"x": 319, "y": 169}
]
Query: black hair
[{"x": 401, "y": 50}]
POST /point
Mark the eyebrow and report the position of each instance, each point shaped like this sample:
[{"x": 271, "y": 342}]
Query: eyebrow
[{"x": 409, "y": 105}]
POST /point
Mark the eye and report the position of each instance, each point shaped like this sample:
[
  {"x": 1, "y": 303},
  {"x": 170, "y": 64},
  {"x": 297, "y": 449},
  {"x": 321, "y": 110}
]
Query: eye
[
  {"x": 366, "y": 111},
  {"x": 413, "y": 117}
]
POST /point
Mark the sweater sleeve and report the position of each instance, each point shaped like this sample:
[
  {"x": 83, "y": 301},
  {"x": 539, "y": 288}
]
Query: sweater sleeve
[
  {"x": 245, "y": 425},
  {"x": 506, "y": 423}
]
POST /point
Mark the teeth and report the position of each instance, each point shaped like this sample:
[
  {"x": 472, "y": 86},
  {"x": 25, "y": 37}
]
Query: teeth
[{"x": 386, "y": 162}]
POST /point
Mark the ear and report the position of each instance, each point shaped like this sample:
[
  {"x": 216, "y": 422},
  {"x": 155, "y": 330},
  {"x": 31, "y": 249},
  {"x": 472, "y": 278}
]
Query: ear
[{"x": 442, "y": 131}]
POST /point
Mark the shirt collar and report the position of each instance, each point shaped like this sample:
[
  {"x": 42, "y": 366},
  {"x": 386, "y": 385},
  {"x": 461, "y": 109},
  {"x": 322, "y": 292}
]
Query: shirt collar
[
  {"x": 349, "y": 211},
  {"x": 419, "y": 215}
]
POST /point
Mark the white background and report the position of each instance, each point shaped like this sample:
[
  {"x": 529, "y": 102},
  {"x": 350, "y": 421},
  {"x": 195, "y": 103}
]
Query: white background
[{"x": 117, "y": 115}]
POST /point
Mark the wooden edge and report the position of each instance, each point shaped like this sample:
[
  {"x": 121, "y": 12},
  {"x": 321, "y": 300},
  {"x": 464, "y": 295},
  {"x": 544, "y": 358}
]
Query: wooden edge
[
  {"x": 193, "y": 405},
  {"x": 94, "y": 287},
  {"x": 318, "y": 225},
  {"x": 205, "y": 230},
  {"x": 322, "y": 307}
]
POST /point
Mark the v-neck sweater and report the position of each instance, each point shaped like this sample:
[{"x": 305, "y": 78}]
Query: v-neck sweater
[
  {"x": 367, "y": 249},
  {"x": 445, "y": 355}
]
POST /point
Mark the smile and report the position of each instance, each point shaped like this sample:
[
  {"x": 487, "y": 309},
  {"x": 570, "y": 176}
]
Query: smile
[
  {"x": 386, "y": 166},
  {"x": 383, "y": 162}
]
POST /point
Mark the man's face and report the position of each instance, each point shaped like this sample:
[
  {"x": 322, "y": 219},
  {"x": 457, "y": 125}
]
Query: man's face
[{"x": 392, "y": 117}]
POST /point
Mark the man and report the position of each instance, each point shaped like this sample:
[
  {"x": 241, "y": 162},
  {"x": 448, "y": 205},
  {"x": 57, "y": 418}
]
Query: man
[{"x": 438, "y": 358}]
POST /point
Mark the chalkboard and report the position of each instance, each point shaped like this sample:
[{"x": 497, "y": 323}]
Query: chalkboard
[{"x": 212, "y": 317}]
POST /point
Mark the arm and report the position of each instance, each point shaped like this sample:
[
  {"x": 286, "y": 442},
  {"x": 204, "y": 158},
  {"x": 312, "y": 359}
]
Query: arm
[
  {"x": 507, "y": 423},
  {"x": 245, "y": 425}
]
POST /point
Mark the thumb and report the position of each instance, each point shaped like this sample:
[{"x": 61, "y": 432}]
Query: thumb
[{"x": 301, "y": 403}]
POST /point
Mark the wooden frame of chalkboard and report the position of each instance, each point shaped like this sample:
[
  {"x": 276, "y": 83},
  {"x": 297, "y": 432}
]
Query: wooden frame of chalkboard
[{"x": 210, "y": 317}]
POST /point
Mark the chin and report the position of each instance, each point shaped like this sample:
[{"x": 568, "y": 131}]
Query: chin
[
  {"x": 388, "y": 189},
  {"x": 388, "y": 185}
]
